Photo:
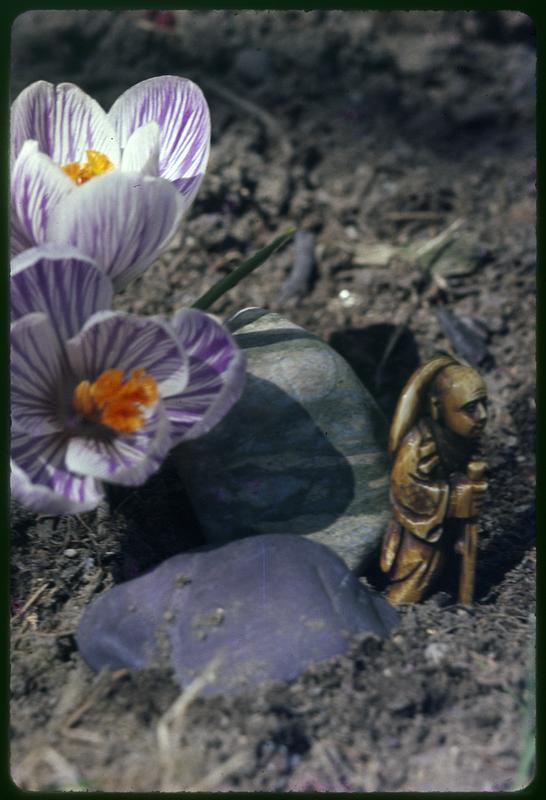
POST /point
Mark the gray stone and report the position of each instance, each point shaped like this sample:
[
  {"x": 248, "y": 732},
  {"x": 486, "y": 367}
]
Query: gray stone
[
  {"x": 303, "y": 451},
  {"x": 268, "y": 606}
]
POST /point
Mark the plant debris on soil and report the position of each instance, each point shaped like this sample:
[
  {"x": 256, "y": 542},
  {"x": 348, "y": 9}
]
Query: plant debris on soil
[{"x": 372, "y": 132}]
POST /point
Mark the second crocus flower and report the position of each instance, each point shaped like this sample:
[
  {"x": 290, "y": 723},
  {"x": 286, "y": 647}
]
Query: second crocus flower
[{"x": 103, "y": 399}]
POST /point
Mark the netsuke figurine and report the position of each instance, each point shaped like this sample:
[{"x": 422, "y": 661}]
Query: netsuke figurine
[{"x": 437, "y": 485}]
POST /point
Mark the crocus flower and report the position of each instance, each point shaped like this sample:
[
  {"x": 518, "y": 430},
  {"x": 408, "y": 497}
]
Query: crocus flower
[
  {"x": 115, "y": 185},
  {"x": 103, "y": 399}
]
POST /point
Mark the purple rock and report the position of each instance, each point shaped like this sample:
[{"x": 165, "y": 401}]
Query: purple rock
[{"x": 270, "y": 605}]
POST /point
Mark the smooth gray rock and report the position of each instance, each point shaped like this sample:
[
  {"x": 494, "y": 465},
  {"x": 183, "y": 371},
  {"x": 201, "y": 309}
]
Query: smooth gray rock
[
  {"x": 268, "y": 605},
  {"x": 303, "y": 451}
]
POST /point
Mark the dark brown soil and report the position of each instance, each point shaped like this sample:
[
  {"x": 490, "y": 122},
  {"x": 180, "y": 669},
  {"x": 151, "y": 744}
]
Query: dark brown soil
[{"x": 363, "y": 128}]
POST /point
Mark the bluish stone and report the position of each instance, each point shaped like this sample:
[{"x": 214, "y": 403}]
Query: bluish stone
[{"x": 270, "y": 605}]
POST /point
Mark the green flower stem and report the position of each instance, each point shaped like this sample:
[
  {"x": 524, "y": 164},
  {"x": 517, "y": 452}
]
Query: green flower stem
[{"x": 240, "y": 272}]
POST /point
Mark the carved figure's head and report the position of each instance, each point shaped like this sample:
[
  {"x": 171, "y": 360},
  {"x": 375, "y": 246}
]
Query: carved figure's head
[
  {"x": 458, "y": 400},
  {"x": 453, "y": 394}
]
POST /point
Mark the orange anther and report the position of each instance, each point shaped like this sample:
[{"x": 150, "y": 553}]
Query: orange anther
[
  {"x": 115, "y": 403},
  {"x": 97, "y": 164}
]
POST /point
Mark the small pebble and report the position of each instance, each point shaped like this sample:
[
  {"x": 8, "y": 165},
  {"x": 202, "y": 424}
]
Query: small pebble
[
  {"x": 435, "y": 653},
  {"x": 348, "y": 299},
  {"x": 252, "y": 65}
]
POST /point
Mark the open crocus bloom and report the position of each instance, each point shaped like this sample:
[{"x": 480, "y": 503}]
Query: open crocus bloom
[
  {"x": 104, "y": 398},
  {"x": 115, "y": 185}
]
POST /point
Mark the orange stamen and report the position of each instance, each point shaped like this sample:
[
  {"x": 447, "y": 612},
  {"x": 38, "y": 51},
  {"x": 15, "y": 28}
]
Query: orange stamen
[
  {"x": 114, "y": 403},
  {"x": 97, "y": 163}
]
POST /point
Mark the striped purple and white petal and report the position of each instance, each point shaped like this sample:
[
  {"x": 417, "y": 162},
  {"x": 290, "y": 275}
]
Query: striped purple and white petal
[
  {"x": 61, "y": 282},
  {"x": 19, "y": 239},
  {"x": 128, "y": 459},
  {"x": 37, "y": 185},
  {"x": 141, "y": 153},
  {"x": 117, "y": 340},
  {"x": 179, "y": 108},
  {"x": 41, "y": 481},
  {"x": 64, "y": 121},
  {"x": 38, "y": 376},
  {"x": 216, "y": 375},
  {"x": 121, "y": 220}
]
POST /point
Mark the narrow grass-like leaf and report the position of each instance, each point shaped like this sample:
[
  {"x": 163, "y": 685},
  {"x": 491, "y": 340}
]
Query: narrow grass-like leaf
[{"x": 225, "y": 284}]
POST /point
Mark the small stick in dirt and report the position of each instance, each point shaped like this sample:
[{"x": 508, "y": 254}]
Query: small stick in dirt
[
  {"x": 410, "y": 216},
  {"x": 57, "y": 634},
  {"x": 275, "y": 131},
  {"x": 418, "y": 299},
  {"x": 102, "y": 517},
  {"x": 171, "y": 724},
  {"x": 85, "y": 525},
  {"x": 30, "y": 602},
  {"x": 83, "y": 735},
  {"x": 27, "y": 774},
  {"x": 103, "y": 685},
  {"x": 465, "y": 341},
  {"x": 391, "y": 344},
  {"x": 93, "y": 584},
  {"x": 426, "y": 255},
  {"x": 299, "y": 281},
  {"x": 220, "y": 773},
  {"x": 129, "y": 497}
]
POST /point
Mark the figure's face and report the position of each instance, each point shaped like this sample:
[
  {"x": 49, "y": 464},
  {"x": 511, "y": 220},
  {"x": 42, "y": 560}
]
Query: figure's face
[{"x": 463, "y": 403}]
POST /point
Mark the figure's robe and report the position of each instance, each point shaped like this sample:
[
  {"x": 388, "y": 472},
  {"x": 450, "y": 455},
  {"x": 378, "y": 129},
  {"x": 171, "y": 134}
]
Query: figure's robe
[{"x": 415, "y": 545}]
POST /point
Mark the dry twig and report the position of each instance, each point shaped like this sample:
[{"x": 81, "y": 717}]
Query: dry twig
[
  {"x": 27, "y": 773},
  {"x": 416, "y": 302},
  {"x": 299, "y": 281},
  {"x": 171, "y": 725},
  {"x": 85, "y": 525},
  {"x": 30, "y": 602},
  {"x": 273, "y": 128},
  {"x": 84, "y": 735},
  {"x": 104, "y": 684},
  {"x": 220, "y": 773},
  {"x": 410, "y": 216}
]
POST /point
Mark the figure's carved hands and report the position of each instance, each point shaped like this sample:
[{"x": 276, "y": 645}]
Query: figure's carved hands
[{"x": 466, "y": 498}]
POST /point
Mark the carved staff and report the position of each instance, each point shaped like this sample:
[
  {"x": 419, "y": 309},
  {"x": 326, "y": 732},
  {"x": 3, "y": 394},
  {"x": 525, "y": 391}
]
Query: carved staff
[{"x": 475, "y": 472}]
